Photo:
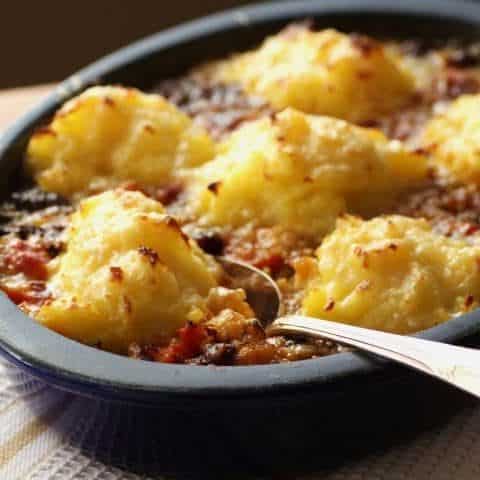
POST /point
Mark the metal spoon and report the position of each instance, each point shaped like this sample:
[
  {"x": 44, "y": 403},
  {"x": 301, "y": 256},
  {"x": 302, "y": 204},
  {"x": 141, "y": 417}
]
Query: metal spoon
[{"x": 457, "y": 366}]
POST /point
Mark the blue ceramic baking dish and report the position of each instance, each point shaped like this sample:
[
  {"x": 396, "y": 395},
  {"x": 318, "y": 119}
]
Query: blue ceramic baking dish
[{"x": 257, "y": 417}]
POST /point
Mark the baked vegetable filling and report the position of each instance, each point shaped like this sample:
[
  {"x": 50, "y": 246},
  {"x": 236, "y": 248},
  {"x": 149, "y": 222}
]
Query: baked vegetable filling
[{"x": 345, "y": 167}]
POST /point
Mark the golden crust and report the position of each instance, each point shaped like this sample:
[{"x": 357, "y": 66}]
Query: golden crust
[
  {"x": 128, "y": 275},
  {"x": 392, "y": 273},
  {"x": 301, "y": 172},
  {"x": 329, "y": 73},
  {"x": 111, "y": 134},
  {"x": 453, "y": 138}
]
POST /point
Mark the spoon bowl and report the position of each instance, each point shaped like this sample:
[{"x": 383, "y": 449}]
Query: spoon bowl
[
  {"x": 263, "y": 294},
  {"x": 457, "y": 366}
]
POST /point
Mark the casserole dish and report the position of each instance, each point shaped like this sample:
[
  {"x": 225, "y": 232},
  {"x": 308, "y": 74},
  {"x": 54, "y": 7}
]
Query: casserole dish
[{"x": 272, "y": 415}]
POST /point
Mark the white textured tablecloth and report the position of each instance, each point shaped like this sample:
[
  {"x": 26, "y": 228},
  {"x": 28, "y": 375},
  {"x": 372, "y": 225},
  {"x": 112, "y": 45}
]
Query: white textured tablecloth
[{"x": 32, "y": 449}]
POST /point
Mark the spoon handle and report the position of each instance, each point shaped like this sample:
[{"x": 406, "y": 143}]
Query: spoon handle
[{"x": 458, "y": 366}]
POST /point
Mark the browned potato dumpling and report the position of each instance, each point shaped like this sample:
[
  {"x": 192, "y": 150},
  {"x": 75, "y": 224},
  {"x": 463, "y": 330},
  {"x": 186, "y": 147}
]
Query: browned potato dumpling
[
  {"x": 392, "y": 273},
  {"x": 326, "y": 72},
  {"x": 109, "y": 135},
  {"x": 129, "y": 274}
]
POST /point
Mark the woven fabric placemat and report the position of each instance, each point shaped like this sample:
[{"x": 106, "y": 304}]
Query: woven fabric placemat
[{"x": 31, "y": 447}]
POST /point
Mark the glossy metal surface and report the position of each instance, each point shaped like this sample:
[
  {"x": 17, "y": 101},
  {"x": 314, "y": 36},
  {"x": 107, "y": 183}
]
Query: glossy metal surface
[
  {"x": 263, "y": 294},
  {"x": 457, "y": 366}
]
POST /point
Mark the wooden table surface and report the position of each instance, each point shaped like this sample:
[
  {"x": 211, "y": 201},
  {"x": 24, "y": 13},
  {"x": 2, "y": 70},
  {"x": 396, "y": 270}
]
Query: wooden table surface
[{"x": 15, "y": 101}]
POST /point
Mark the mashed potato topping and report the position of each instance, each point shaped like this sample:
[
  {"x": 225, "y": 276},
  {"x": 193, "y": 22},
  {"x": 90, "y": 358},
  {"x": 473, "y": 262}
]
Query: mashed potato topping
[
  {"x": 111, "y": 134},
  {"x": 129, "y": 274},
  {"x": 346, "y": 168},
  {"x": 454, "y": 138},
  {"x": 325, "y": 72},
  {"x": 301, "y": 172},
  {"x": 392, "y": 273}
]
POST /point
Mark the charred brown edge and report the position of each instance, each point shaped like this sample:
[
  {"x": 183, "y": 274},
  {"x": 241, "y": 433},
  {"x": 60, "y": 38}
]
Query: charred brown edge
[
  {"x": 45, "y": 130},
  {"x": 109, "y": 101},
  {"x": 329, "y": 305},
  {"x": 365, "y": 45},
  {"x": 150, "y": 254},
  {"x": 469, "y": 301},
  {"x": 173, "y": 224},
  {"x": 214, "y": 187},
  {"x": 116, "y": 273}
]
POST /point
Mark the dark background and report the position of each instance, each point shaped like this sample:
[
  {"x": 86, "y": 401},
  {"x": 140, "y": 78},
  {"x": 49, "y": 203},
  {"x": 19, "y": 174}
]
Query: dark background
[{"x": 45, "y": 41}]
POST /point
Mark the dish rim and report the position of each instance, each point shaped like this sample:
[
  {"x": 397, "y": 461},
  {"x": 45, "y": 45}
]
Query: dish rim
[{"x": 70, "y": 365}]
